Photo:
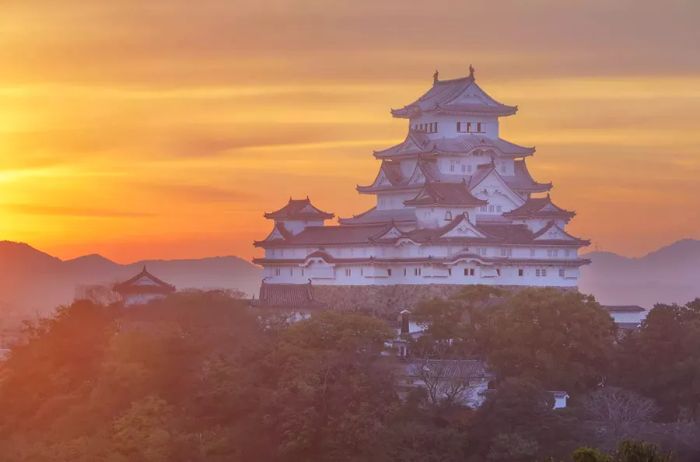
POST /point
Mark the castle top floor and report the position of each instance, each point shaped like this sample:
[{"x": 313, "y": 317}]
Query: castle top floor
[{"x": 452, "y": 108}]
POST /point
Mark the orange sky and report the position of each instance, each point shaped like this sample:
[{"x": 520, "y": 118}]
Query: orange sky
[{"x": 165, "y": 128}]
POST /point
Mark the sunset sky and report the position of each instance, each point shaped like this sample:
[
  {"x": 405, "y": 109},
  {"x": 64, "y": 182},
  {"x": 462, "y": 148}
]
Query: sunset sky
[{"x": 163, "y": 129}]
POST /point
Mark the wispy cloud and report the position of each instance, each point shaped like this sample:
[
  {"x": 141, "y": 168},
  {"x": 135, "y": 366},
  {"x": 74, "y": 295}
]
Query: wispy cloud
[{"x": 68, "y": 211}]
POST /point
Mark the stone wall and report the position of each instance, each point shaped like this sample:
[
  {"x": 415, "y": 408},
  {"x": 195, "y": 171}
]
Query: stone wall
[
  {"x": 386, "y": 301},
  {"x": 380, "y": 300}
]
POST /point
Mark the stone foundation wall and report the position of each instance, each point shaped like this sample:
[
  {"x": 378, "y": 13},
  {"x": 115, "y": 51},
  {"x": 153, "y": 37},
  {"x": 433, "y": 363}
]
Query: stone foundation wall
[
  {"x": 380, "y": 300},
  {"x": 386, "y": 301}
]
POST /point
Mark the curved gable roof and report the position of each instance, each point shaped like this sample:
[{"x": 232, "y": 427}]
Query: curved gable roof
[
  {"x": 461, "y": 95},
  {"x": 299, "y": 209}
]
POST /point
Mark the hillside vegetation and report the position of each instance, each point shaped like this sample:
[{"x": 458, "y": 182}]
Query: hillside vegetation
[{"x": 201, "y": 377}]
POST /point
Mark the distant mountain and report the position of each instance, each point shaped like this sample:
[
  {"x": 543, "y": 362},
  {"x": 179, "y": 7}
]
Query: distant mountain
[
  {"x": 33, "y": 282},
  {"x": 670, "y": 274}
]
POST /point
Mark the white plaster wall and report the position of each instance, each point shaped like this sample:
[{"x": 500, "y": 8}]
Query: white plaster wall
[
  {"x": 393, "y": 201},
  {"x": 141, "y": 299},
  {"x": 297, "y": 226},
  {"x": 435, "y": 217},
  {"x": 447, "y": 125},
  {"x": 627, "y": 317},
  {"x": 365, "y": 274}
]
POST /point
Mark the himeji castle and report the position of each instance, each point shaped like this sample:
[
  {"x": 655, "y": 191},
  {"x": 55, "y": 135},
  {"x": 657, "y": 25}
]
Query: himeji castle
[{"x": 455, "y": 204}]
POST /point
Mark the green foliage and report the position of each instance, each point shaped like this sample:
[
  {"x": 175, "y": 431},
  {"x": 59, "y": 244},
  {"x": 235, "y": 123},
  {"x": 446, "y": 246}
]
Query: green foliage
[
  {"x": 448, "y": 322},
  {"x": 589, "y": 455},
  {"x": 662, "y": 359},
  {"x": 627, "y": 451},
  {"x": 199, "y": 377},
  {"x": 637, "y": 451},
  {"x": 512, "y": 447},
  {"x": 563, "y": 339}
]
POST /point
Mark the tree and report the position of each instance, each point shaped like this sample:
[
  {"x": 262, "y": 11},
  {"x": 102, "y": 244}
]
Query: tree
[
  {"x": 618, "y": 413},
  {"x": 563, "y": 339},
  {"x": 321, "y": 391},
  {"x": 446, "y": 381},
  {"x": 589, "y": 455},
  {"x": 627, "y": 451},
  {"x": 448, "y": 332},
  {"x": 638, "y": 451},
  {"x": 520, "y": 411},
  {"x": 662, "y": 359}
]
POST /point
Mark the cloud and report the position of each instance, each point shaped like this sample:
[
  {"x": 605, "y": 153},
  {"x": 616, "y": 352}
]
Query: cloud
[{"x": 68, "y": 211}]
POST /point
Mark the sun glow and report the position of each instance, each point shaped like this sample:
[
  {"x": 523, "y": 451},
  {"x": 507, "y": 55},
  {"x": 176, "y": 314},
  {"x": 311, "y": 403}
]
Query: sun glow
[{"x": 119, "y": 141}]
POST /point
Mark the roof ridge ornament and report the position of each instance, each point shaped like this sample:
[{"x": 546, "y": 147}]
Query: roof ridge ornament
[
  {"x": 435, "y": 76},
  {"x": 471, "y": 72}
]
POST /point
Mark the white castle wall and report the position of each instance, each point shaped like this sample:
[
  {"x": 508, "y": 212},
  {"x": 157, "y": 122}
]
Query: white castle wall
[
  {"x": 447, "y": 125},
  {"x": 364, "y": 274}
]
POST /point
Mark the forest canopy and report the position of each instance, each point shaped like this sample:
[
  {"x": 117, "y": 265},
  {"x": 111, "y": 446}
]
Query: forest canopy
[{"x": 203, "y": 377}]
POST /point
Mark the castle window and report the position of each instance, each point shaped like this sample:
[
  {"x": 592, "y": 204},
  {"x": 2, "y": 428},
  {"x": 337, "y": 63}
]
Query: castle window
[
  {"x": 521, "y": 272},
  {"x": 277, "y": 272},
  {"x": 448, "y": 215},
  {"x": 483, "y": 208},
  {"x": 544, "y": 272},
  {"x": 302, "y": 271},
  {"x": 491, "y": 209},
  {"x": 348, "y": 272},
  {"x": 291, "y": 271},
  {"x": 498, "y": 271},
  {"x": 562, "y": 273},
  {"x": 388, "y": 272},
  {"x": 478, "y": 127},
  {"x": 469, "y": 127},
  {"x": 537, "y": 272},
  {"x": 449, "y": 271},
  {"x": 404, "y": 271}
]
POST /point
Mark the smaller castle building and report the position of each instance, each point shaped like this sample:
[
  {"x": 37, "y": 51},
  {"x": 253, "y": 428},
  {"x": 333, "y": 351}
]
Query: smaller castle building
[{"x": 143, "y": 288}]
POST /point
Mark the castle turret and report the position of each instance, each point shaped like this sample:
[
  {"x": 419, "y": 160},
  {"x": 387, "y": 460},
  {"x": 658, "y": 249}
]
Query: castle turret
[{"x": 455, "y": 204}]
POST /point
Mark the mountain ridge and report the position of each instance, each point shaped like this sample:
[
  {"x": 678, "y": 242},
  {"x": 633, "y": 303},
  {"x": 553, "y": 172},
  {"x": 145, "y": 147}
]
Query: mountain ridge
[
  {"x": 670, "y": 274},
  {"x": 32, "y": 271}
]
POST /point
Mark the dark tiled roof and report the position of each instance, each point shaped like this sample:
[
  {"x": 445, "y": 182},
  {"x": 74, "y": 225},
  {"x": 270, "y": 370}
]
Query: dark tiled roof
[
  {"x": 443, "y": 94},
  {"x": 445, "y": 194},
  {"x": 325, "y": 235},
  {"x": 418, "y": 143},
  {"x": 149, "y": 284},
  {"x": 374, "y": 216},
  {"x": 624, "y": 308},
  {"x": 551, "y": 225},
  {"x": 539, "y": 207},
  {"x": 495, "y": 233},
  {"x": 523, "y": 181},
  {"x": 281, "y": 230},
  {"x": 286, "y": 295},
  {"x": 448, "y": 368},
  {"x": 299, "y": 209}
]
